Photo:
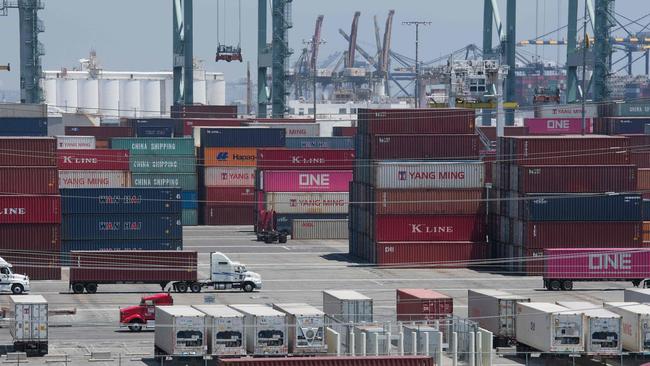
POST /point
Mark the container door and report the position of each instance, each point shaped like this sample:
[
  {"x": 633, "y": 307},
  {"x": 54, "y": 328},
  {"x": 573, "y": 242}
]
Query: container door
[
  {"x": 644, "y": 332},
  {"x": 507, "y": 317},
  {"x": 39, "y": 322},
  {"x": 23, "y": 322},
  {"x": 227, "y": 335},
  {"x": 309, "y": 331}
]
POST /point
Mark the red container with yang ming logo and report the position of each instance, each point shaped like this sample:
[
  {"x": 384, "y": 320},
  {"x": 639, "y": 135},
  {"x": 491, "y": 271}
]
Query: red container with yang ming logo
[{"x": 293, "y": 159}]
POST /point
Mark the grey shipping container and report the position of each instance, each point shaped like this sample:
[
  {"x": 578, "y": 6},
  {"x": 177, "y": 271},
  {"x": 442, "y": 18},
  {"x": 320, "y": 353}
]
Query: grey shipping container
[
  {"x": 319, "y": 229},
  {"x": 266, "y": 330},
  {"x": 226, "y": 334},
  {"x": 190, "y": 217},
  {"x": 29, "y": 323},
  {"x": 494, "y": 310},
  {"x": 180, "y": 331},
  {"x": 346, "y": 143},
  {"x": 243, "y": 137},
  {"x": 347, "y": 306}
]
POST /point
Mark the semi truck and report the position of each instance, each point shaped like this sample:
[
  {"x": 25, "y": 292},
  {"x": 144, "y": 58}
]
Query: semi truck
[
  {"x": 10, "y": 281},
  {"x": 144, "y": 315},
  {"x": 563, "y": 267},
  {"x": 175, "y": 270}
]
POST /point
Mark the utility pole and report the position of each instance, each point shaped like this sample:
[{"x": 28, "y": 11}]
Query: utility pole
[{"x": 417, "y": 25}]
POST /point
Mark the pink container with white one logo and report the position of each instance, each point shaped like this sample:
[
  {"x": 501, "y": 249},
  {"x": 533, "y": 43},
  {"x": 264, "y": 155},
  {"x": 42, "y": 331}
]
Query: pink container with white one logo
[
  {"x": 557, "y": 126},
  {"x": 597, "y": 264},
  {"x": 306, "y": 181}
]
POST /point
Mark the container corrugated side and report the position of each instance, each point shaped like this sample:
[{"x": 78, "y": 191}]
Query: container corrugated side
[
  {"x": 229, "y": 195},
  {"x": 189, "y": 200},
  {"x": 25, "y": 126},
  {"x": 28, "y": 238},
  {"x": 332, "y": 361},
  {"x": 421, "y": 121},
  {"x": 28, "y": 151},
  {"x": 430, "y": 201},
  {"x": 155, "y": 146},
  {"x": 97, "y": 159},
  {"x": 319, "y": 229},
  {"x": 42, "y": 265},
  {"x": 574, "y": 179},
  {"x": 189, "y": 124},
  {"x": 594, "y": 263},
  {"x": 430, "y": 228},
  {"x": 298, "y": 159},
  {"x": 241, "y": 137},
  {"x": 432, "y": 254},
  {"x": 29, "y": 180},
  {"x": 229, "y": 177},
  {"x": 300, "y": 202},
  {"x": 30, "y": 209},
  {"x": 228, "y": 214},
  {"x": 121, "y": 200},
  {"x": 342, "y": 131},
  {"x": 458, "y": 147},
  {"x": 320, "y": 143},
  {"x": 623, "y": 207},
  {"x": 100, "y": 132},
  {"x": 121, "y": 227},
  {"x": 204, "y": 111},
  {"x": 190, "y": 217},
  {"x": 427, "y": 175},
  {"x": 422, "y": 304},
  {"x": 596, "y": 234},
  {"x": 75, "y": 142},
  {"x": 230, "y": 157},
  {"x": 187, "y": 182},
  {"x": 162, "y": 164},
  {"x": 570, "y": 150},
  {"x": 293, "y": 129},
  {"x": 109, "y": 245},
  {"x": 306, "y": 180},
  {"x": 93, "y": 179},
  {"x": 284, "y": 222}
]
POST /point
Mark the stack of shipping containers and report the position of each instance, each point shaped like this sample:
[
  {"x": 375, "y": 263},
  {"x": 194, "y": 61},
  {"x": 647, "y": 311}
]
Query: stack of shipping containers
[
  {"x": 102, "y": 134},
  {"x": 418, "y": 188}
]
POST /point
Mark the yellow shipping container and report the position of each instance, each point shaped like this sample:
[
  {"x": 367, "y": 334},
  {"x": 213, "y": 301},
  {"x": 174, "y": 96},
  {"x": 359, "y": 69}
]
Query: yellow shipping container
[{"x": 230, "y": 156}]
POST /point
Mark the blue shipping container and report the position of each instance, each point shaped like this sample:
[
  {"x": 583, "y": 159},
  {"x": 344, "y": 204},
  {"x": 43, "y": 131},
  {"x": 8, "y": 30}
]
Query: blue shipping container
[
  {"x": 320, "y": 143},
  {"x": 243, "y": 137},
  {"x": 190, "y": 200},
  {"x": 154, "y": 131},
  {"x": 619, "y": 207},
  {"x": 11, "y": 126},
  {"x": 121, "y": 227},
  {"x": 176, "y": 125},
  {"x": 121, "y": 200},
  {"x": 284, "y": 222},
  {"x": 630, "y": 126}
]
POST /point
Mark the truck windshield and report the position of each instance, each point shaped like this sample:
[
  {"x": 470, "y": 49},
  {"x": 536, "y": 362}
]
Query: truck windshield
[{"x": 5, "y": 271}]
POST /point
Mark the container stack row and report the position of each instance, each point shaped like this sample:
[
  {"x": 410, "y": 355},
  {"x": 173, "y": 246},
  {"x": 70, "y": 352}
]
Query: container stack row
[
  {"x": 418, "y": 189},
  {"x": 563, "y": 192},
  {"x": 30, "y": 206}
]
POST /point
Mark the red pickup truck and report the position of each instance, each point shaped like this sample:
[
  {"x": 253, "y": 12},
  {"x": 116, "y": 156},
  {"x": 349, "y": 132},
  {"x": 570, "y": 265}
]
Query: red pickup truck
[{"x": 144, "y": 315}]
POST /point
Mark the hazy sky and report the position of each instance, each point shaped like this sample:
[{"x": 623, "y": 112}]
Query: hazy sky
[{"x": 136, "y": 34}]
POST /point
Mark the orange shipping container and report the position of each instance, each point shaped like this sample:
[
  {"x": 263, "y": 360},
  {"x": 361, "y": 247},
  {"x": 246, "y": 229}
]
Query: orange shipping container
[
  {"x": 230, "y": 156},
  {"x": 643, "y": 180}
]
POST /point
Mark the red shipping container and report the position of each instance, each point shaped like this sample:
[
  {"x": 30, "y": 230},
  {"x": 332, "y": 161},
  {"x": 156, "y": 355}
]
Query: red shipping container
[
  {"x": 100, "y": 132},
  {"x": 429, "y": 201},
  {"x": 283, "y": 120},
  {"x": 204, "y": 111},
  {"x": 295, "y": 159},
  {"x": 458, "y": 147},
  {"x": 189, "y": 124},
  {"x": 422, "y": 304},
  {"x": 36, "y": 265},
  {"x": 490, "y": 167},
  {"x": 30, "y": 209},
  {"x": 596, "y": 264},
  {"x": 431, "y": 121},
  {"x": 640, "y": 158},
  {"x": 93, "y": 159},
  {"x": 431, "y": 254},
  {"x": 601, "y": 234},
  {"x": 638, "y": 142},
  {"x": 568, "y": 150},
  {"x": 30, "y": 237},
  {"x": 574, "y": 179},
  {"x": 228, "y": 214},
  {"x": 643, "y": 181},
  {"x": 27, "y": 151},
  {"x": 491, "y": 132},
  {"x": 430, "y": 228},
  {"x": 330, "y": 361},
  {"x": 344, "y": 131},
  {"x": 229, "y": 196},
  {"x": 29, "y": 180}
]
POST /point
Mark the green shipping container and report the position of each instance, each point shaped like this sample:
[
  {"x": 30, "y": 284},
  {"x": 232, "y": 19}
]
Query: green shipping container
[
  {"x": 154, "y": 146},
  {"x": 186, "y": 182},
  {"x": 162, "y": 164},
  {"x": 635, "y": 109},
  {"x": 190, "y": 217}
]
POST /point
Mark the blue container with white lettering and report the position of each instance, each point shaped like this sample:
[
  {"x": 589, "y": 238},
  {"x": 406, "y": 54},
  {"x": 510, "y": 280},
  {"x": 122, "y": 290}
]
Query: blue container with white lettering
[
  {"x": 121, "y": 227},
  {"x": 120, "y": 200},
  {"x": 190, "y": 200}
]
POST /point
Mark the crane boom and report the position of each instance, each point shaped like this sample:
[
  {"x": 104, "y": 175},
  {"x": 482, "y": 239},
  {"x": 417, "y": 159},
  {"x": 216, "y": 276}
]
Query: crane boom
[
  {"x": 352, "y": 45},
  {"x": 315, "y": 43},
  {"x": 363, "y": 53},
  {"x": 385, "y": 50},
  {"x": 377, "y": 40}
]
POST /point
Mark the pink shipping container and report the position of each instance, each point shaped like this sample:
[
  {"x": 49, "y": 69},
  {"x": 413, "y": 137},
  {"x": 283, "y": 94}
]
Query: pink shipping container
[
  {"x": 573, "y": 179},
  {"x": 23, "y": 151},
  {"x": 432, "y": 121},
  {"x": 422, "y": 304},
  {"x": 29, "y": 180},
  {"x": 430, "y": 228},
  {"x": 568, "y": 150},
  {"x": 306, "y": 180},
  {"x": 330, "y": 361},
  {"x": 557, "y": 126},
  {"x": 30, "y": 209},
  {"x": 310, "y": 159},
  {"x": 457, "y": 147},
  {"x": 94, "y": 179},
  {"x": 429, "y": 201},
  {"x": 229, "y": 177},
  {"x": 93, "y": 159},
  {"x": 229, "y": 195},
  {"x": 431, "y": 254}
]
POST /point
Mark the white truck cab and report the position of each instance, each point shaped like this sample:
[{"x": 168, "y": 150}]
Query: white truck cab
[
  {"x": 11, "y": 282},
  {"x": 225, "y": 273}
]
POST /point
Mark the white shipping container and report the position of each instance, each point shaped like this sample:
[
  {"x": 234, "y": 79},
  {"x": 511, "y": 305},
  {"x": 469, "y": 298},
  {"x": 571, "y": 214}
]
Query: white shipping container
[
  {"x": 640, "y": 295},
  {"x": 423, "y": 175},
  {"x": 307, "y": 203},
  {"x": 419, "y": 342},
  {"x": 602, "y": 328},
  {"x": 306, "y": 328},
  {"x": 75, "y": 142},
  {"x": 347, "y": 306},
  {"x": 565, "y": 111},
  {"x": 180, "y": 331},
  {"x": 230, "y": 177},
  {"x": 636, "y": 324},
  {"x": 549, "y": 327},
  {"x": 494, "y": 310},
  {"x": 266, "y": 330},
  {"x": 377, "y": 340},
  {"x": 293, "y": 129},
  {"x": 29, "y": 320},
  {"x": 225, "y": 330},
  {"x": 319, "y": 229},
  {"x": 94, "y": 179}
]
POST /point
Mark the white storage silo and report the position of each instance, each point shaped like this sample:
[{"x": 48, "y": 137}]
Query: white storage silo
[
  {"x": 49, "y": 87},
  {"x": 216, "y": 89},
  {"x": 150, "y": 97},
  {"x": 130, "y": 98},
  {"x": 167, "y": 94},
  {"x": 199, "y": 92},
  {"x": 66, "y": 95},
  {"x": 88, "y": 95},
  {"x": 109, "y": 96}
]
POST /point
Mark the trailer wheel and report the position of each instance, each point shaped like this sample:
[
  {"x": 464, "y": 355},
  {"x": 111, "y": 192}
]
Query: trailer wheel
[
  {"x": 78, "y": 288},
  {"x": 567, "y": 285},
  {"x": 181, "y": 287},
  {"x": 17, "y": 289},
  {"x": 248, "y": 287},
  {"x": 195, "y": 287},
  {"x": 555, "y": 285},
  {"x": 282, "y": 239},
  {"x": 91, "y": 288},
  {"x": 268, "y": 240}
]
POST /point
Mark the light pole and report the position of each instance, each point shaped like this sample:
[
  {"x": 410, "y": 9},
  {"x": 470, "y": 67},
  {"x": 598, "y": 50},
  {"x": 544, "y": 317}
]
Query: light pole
[{"x": 417, "y": 25}]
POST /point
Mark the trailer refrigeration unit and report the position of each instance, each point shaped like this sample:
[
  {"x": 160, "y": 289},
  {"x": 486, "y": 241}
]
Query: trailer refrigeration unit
[
  {"x": 636, "y": 325},
  {"x": 306, "y": 328},
  {"x": 180, "y": 331},
  {"x": 225, "y": 330},
  {"x": 29, "y": 323},
  {"x": 603, "y": 328},
  {"x": 547, "y": 327},
  {"x": 495, "y": 311},
  {"x": 266, "y": 330}
]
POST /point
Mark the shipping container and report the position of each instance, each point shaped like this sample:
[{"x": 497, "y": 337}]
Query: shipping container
[
  {"x": 29, "y": 180},
  {"x": 640, "y": 295},
  {"x": 491, "y": 132},
  {"x": 23, "y": 126},
  {"x": 424, "y": 228},
  {"x": 345, "y": 143},
  {"x": 345, "y": 306},
  {"x": 306, "y": 325},
  {"x": 284, "y": 222},
  {"x": 565, "y": 111},
  {"x": 203, "y": 111},
  {"x": 310, "y": 159},
  {"x": 226, "y": 334},
  {"x": 576, "y": 234},
  {"x": 574, "y": 179},
  {"x": 426, "y": 175},
  {"x": 21, "y": 110},
  {"x": 190, "y": 217},
  {"x": 494, "y": 311},
  {"x": 189, "y": 124},
  {"x": 557, "y": 126},
  {"x": 422, "y": 304},
  {"x": 640, "y": 158},
  {"x": 101, "y": 132},
  {"x": 75, "y": 142},
  {"x": 429, "y": 201},
  {"x": 455, "y": 254},
  {"x": 331, "y": 361},
  {"x": 282, "y": 120},
  {"x": 549, "y": 327},
  {"x": 189, "y": 200},
  {"x": 42, "y": 265},
  {"x": 631, "y": 109},
  {"x": 240, "y": 137},
  {"x": 121, "y": 227},
  {"x": 603, "y": 328},
  {"x": 615, "y": 207},
  {"x": 30, "y": 238},
  {"x": 121, "y": 245},
  {"x": 339, "y": 131},
  {"x": 643, "y": 181},
  {"x": 32, "y": 151},
  {"x": 377, "y": 340},
  {"x": 229, "y": 177},
  {"x": 29, "y": 323},
  {"x": 155, "y": 146},
  {"x": 93, "y": 159},
  {"x": 620, "y": 126},
  {"x": 163, "y": 164},
  {"x": 229, "y": 196},
  {"x": 403, "y": 146},
  {"x": 319, "y": 229},
  {"x": 266, "y": 330},
  {"x": 305, "y": 180},
  {"x": 636, "y": 325},
  {"x": 312, "y": 203},
  {"x": 187, "y": 182},
  {"x": 293, "y": 129},
  {"x": 420, "y": 121},
  {"x": 228, "y": 214},
  {"x": 154, "y": 131},
  {"x": 568, "y": 150},
  {"x": 230, "y": 157},
  {"x": 31, "y": 209},
  {"x": 121, "y": 200},
  {"x": 143, "y": 127},
  {"x": 94, "y": 179},
  {"x": 180, "y": 331}
]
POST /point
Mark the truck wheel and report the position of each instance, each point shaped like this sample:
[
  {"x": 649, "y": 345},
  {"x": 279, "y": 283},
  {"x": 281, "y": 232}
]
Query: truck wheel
[
  {"x": 91, "y": 288},
  {"x": 636, "y": 283},
  {"x": 78, "y": 288},
  {"x": 567, "y": 285},
  {"x": 135, "y": 326},
  {"x": 282, "y": 239},
  {"x": 268, "y": 240},
  {"x": 181, "y": 287},
  {"x": 248, "y": 287},
  {"x": 555, "y": 285},
  {"x": 195, "y": 287},
  {"x": 17, "y": 289}
]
